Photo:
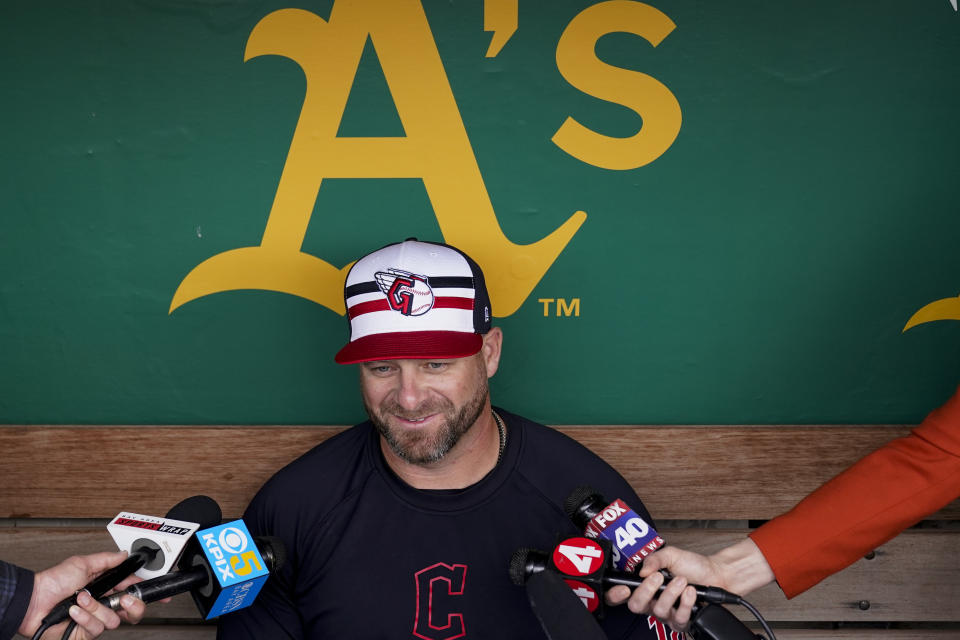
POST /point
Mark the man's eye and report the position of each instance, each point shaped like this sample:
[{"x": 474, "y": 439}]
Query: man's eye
[
  {"x": 379, "y": 369},
  {"x": 436, "y": 366}
]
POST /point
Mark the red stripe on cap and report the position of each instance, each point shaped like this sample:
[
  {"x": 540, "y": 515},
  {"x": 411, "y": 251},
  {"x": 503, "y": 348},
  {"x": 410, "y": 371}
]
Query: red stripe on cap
[
  {"x": 450, "y": 302},
  {"x": 440, "y": 302},
  {"x": 368, "y": 307}
]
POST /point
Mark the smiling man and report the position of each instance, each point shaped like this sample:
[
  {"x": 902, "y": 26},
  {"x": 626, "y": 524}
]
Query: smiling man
[{"x": 403, "y": 526}]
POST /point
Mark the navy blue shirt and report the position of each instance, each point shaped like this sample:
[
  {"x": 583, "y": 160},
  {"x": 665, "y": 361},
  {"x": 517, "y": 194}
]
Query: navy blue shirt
[{"x": 372, "y": 557}]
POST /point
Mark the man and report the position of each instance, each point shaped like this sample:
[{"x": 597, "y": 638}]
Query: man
[
  {"x": 855, "y": 512},
  {"x": 26, "y": 598},
  {"x": 404, "y": 526}
]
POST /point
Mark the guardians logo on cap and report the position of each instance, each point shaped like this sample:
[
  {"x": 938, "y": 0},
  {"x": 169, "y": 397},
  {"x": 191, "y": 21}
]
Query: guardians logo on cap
[{"x": 415, "y": 299}]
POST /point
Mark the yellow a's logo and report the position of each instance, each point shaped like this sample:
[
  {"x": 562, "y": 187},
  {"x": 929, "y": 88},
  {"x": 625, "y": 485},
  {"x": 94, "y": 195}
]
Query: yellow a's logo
[
  {"x": 435, "y": 148},
  {"x": 945, "y": 309}
]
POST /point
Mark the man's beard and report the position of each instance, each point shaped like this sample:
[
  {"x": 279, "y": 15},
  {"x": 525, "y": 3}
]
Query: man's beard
[{"x": 417, "y": 447}]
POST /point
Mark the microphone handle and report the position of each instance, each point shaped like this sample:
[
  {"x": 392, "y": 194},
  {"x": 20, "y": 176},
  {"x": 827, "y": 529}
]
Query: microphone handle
[
  {"x": 110, "y": 578},
  {"x": 712, "y": 595},
  {"x": 161, "y": 587},
  {"x": 100, "y": 585}
]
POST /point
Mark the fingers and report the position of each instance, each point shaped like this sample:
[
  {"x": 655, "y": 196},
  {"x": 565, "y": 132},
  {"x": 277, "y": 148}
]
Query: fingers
[
  {"x": 662, "y": 607},
  {"x": 663, "y": 558},
  {"x": 133, "y": 609},
  {"x": 617, "y": 595},
  {"x": 97, "y": 563},
  {"x": 92, "y": 618},
  {"x": 642, "y": 598},
  {"x": 673, "y": 606}
]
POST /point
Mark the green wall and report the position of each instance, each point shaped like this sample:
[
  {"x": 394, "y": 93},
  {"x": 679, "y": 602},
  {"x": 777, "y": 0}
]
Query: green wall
[{"x": 761, "y": 269}]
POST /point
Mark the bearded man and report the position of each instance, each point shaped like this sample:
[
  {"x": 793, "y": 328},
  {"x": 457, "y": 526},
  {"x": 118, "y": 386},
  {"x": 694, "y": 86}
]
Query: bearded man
[{"x": 403, "y": 526}]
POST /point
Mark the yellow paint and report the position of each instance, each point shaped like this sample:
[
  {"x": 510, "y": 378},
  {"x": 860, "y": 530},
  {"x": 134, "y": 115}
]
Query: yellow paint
[
  {"x": 578, "y": 63},
  {"x": 568, "y": 308},
  {"x": 249, "y": 561},
  {"x": 436, "y": 149},
  {"x": 945, "y": 309},
  {"x": 499, "y": 16}
]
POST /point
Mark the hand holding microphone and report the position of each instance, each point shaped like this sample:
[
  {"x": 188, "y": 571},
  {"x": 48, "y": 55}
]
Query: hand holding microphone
[
  {"x": 153, "y": 544},
  {"x": 62, "y": 580},
  {"x": 223, "y": 568},
  {"x": 615, "y": 538}
]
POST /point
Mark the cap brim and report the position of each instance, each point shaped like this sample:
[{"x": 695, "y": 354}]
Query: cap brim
[{"x": 412, "y": 345}]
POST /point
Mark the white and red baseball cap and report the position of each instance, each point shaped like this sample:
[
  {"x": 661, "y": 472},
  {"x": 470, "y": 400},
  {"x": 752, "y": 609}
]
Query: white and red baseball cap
[{"x": 415, "y": 299}]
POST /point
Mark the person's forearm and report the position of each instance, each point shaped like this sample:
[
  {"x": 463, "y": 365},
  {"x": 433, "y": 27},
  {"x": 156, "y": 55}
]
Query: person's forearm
[{"x": 743, "y": 567}]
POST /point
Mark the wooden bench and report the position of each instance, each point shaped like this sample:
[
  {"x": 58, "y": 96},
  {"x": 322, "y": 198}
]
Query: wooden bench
[{"x": 703, "y": 484}]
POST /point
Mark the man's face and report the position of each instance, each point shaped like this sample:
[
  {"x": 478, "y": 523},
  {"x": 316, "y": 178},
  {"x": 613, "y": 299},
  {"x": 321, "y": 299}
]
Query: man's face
[{"x": 423, "y": 407}]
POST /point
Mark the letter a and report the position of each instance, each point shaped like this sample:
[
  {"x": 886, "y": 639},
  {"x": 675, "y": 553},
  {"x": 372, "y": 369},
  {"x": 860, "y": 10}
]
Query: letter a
[{"x": 436, "y": 149}]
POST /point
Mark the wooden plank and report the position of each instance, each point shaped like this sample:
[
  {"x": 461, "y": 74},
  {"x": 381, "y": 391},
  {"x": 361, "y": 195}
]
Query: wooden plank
[
  {"x": 738, "y": 473},
  {"x": 140, "y": 469},
  {"x": 914, "y": 577}
]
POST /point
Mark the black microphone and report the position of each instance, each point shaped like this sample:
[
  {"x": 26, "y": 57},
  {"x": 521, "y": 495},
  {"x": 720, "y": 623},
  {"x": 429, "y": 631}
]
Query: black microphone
[
  {"x": 559, "y": 611},
  {"x": 529, "y": 562},
  {"x": 216, "y": 568},
  {"x": 156, "y": 540},
  {"x": 582, "y": 564},
  {"x": 631, "y": 537}
]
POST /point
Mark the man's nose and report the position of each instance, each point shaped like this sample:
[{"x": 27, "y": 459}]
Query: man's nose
[{"x": 412, "y": 391}]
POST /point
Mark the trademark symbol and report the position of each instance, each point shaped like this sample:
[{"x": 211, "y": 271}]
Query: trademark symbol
[{"x": 563, "y": 307}]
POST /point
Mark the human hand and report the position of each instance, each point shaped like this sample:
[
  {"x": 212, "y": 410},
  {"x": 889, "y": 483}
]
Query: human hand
[
  {"x": 740, "y": 568},
  {"x": 673, "y": 606},
  {"x": 63, "y": 580}
]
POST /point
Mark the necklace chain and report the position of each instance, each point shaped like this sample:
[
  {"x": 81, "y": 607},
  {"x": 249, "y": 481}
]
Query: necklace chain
[{"x": 502, "y": 431}]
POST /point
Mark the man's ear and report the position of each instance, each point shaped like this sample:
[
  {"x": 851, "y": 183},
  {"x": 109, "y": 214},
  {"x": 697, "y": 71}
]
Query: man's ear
[{"x": 492, "y": 343}]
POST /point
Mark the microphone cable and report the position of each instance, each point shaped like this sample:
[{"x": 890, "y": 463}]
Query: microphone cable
[
  {"x": 756, "y": 614},
  {"x": 69, "y": 630}
]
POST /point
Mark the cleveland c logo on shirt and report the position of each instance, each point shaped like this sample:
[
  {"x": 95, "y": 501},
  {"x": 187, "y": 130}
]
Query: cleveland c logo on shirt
[
  {"x": 406, "y": 292},
  {"x": 439, "y": 581}
]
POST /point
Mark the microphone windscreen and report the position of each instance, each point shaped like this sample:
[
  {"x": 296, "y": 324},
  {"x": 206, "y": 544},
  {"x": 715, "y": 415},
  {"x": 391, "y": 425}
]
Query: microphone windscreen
[
  {"x": 560, "y": 612},
  {"x": 273, "y": 551},
  {"x": 203, "y": 510},
  {"x": 575, "y": 501},
  {"x": 518, "y": 566}
]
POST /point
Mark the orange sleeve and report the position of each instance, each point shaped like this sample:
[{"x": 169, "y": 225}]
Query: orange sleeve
[{"x": 866, "y": 505}]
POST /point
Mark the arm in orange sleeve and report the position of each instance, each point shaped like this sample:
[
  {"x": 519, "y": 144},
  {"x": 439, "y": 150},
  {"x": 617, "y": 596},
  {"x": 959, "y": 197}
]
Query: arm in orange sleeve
[{"x": 867, "y": 504}]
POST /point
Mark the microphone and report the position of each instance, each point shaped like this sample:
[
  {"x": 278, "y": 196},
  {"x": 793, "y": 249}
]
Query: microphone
[
  {"x": 582, "y": 559},
  {"x": 159, "y": 541},
  {"x": 557, "y": 609},
  {"x": 631, "y": 537},
  {"x": 583, "y": 564},
  {"x": 221, "y": 569},
  {"x": 153, "y": 545}
]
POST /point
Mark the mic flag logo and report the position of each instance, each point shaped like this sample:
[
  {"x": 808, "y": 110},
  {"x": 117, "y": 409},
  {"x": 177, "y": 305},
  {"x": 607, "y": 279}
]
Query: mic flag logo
[
  {"x": 633, "y": 539},
  {"x": 406, "y": 292},
  {"x": 578, "y": 556},
  {"x": 167, "y": 536},
  {"x": 589, "y": 597},
  {"x": 237, "y": 565},
  {"x": 581, "y": 562}
]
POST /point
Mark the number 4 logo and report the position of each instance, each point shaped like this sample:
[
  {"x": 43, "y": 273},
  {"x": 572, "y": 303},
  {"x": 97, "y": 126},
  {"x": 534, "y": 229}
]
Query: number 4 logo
[{"x": 578, "y": 556}]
